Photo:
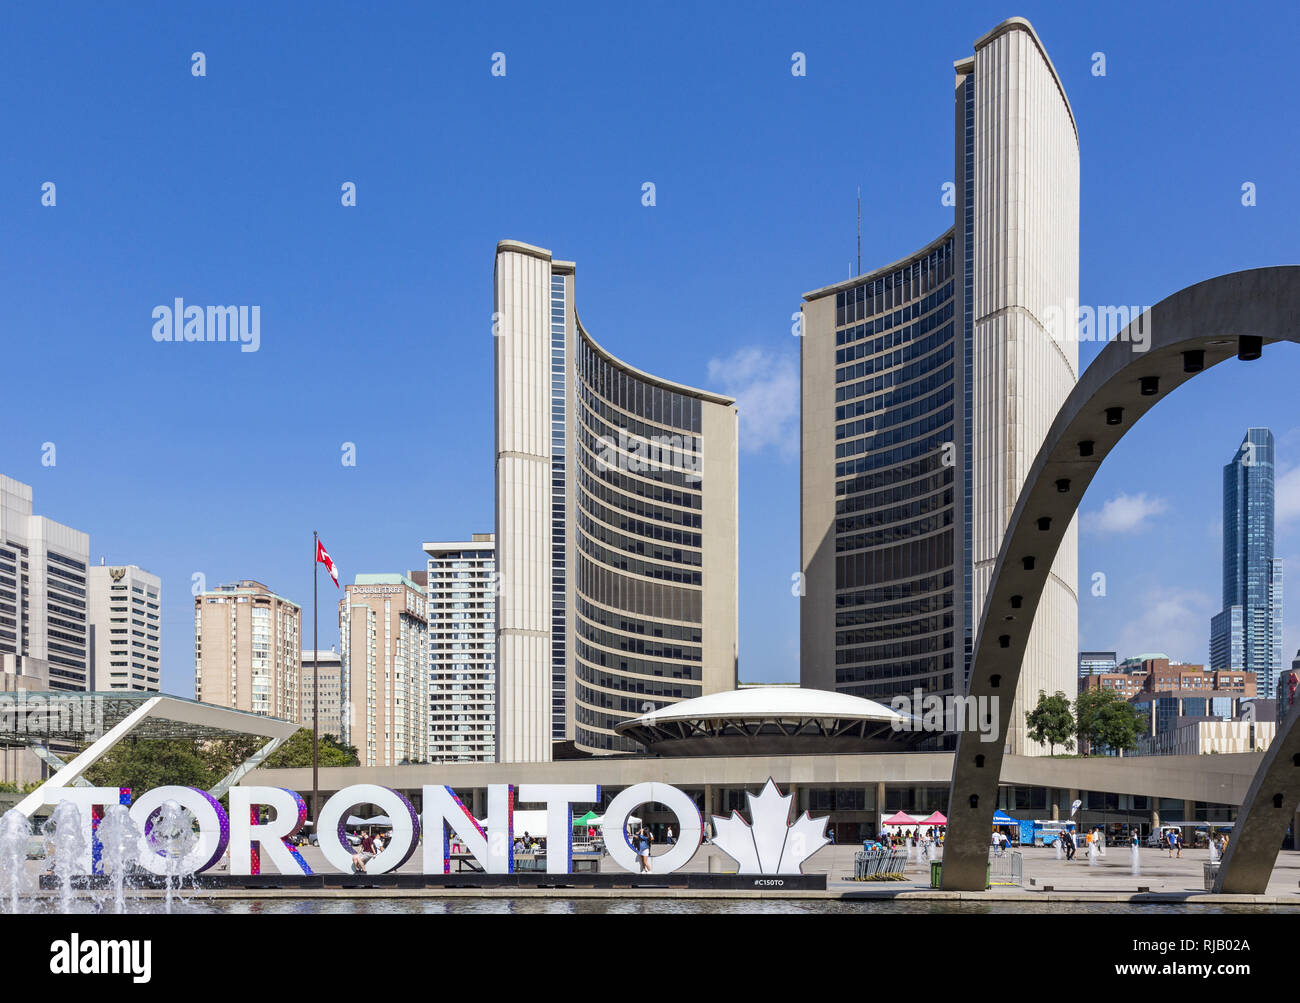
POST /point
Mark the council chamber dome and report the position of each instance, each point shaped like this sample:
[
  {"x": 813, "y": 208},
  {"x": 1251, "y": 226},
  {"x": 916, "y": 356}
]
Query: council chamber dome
[{"x": 769, "y": 721}]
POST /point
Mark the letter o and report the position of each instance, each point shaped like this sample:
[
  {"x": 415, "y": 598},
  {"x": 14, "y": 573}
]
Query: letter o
[
  {"x": 690, "y": 826},
  {"x": 214, "y": 827},
  {"x": 332, "y": 827}
]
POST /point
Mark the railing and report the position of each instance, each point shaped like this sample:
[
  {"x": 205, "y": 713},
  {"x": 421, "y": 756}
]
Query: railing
[
  {"x": 879, "y": 865},
  {"x": 1006, "y": 868}
]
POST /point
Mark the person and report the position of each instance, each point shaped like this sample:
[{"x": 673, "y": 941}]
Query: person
[
  {"x": 830, "y": 834},
  {"x": 669, "y": 836},
  {"x": 1070, "y": 846},
  {"x": 642, "y": 845},
  {"x": 1170, "y": 840},
  {"x": 365, "y": 854}
]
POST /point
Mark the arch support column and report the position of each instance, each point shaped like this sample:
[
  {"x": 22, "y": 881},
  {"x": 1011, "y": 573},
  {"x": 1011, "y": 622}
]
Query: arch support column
[{"x": 1181, "y": 336}]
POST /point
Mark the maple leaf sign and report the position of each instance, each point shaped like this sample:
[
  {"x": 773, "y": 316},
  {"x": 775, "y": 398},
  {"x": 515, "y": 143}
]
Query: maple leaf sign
[{"x": 768, "y": 843}]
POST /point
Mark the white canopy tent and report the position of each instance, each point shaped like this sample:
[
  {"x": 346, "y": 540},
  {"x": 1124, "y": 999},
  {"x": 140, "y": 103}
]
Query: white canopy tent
[{"x": 377, "y": 820}]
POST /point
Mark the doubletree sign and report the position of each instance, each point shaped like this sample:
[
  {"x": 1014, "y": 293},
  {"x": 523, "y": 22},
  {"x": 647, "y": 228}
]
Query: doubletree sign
[{"x": 768, "y": 843}]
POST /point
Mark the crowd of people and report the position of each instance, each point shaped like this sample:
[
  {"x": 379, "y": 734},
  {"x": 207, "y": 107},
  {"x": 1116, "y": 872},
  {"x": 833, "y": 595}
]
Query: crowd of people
[{"x": 892, "y": 838}]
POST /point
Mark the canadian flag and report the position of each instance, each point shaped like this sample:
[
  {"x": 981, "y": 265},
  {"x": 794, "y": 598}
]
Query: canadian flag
[{"x": 323, "y": 557}]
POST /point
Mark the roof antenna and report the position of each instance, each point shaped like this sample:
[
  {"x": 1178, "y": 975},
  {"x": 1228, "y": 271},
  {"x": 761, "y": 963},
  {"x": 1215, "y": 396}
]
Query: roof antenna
[{"x": 859, "y": 229}]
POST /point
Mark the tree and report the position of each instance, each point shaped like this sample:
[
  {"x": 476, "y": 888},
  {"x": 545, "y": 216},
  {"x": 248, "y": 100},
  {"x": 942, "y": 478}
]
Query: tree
[
  {"x": 142, "y": 764},
  {"x": 1051, "y": 721},
  {"x": 9, "y": 787},
  {"x": 1107, "y": 721},
  {"x": 296, "y": 752}
]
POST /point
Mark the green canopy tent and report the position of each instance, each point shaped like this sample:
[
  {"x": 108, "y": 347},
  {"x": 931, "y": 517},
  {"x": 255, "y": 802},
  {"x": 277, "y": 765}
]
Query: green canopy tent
[{"x": 586, "y": 819}]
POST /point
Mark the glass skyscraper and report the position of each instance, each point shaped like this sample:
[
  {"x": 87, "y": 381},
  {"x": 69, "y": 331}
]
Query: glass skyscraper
[{"x": 1247, "y": 634}]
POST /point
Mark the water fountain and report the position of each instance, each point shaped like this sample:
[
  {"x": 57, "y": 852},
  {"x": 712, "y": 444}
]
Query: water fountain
[
  {"x": 170, "y": 833},
  {"x": 120, "y": 839},
  {"x": 1059, "y": 843},
  {"x": 15, "y": 830},
  {"x": 1137, "y": 860},
  {"x": 1214, "y": 851},
  {"x": 1092, "y": 853},
  {"x": 63, "y": 828}
]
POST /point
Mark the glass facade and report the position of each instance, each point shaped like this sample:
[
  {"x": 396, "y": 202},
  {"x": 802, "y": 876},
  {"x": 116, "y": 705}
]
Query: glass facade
[
  {"x": 1247, "y": 634},
  {"x": 968, "y": 364},
  {"x": 559, "y": 634},
  {"x": 637, "y": 555},
  {"x": 897, "y": 406}
]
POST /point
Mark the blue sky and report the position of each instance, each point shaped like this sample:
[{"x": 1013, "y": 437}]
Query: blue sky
[{"x": 375, "y": 320}]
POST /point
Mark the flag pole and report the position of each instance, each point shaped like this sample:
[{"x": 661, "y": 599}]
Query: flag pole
[{"x": 315, "y": 701}]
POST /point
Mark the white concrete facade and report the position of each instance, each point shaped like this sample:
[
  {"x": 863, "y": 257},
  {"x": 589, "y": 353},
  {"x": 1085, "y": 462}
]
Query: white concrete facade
[
  {"x": 461, "y": 589},
  {"x": 44, "y": 631},
  {"x": 43, "y": 568},
  {"x": 1026, "y": 266},
  {"x": 522, "y": 332},
  {"x": 125, "y": 607}
]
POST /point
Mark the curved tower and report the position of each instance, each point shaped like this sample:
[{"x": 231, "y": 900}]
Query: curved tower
[
  {"x": 919, "y": 429},
  {"x": 616, "y": 526}
]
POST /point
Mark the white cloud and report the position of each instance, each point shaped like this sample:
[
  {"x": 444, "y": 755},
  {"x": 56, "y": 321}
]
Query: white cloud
[
  {"x": 1124, "y": 514},
  {"x": 1287, "y": 498},
  {"x": 1175, "y": 621},
  {"x": 765, "y": 384}
]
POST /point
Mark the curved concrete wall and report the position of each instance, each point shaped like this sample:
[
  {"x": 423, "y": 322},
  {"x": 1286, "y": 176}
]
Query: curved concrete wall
[
  {"x": 652, "y": 556},
  {"x": 616, "y": 526}
]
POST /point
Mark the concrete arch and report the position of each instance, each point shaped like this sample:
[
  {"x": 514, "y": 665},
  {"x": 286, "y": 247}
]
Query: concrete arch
[{"x": 1185, "y": 334}]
